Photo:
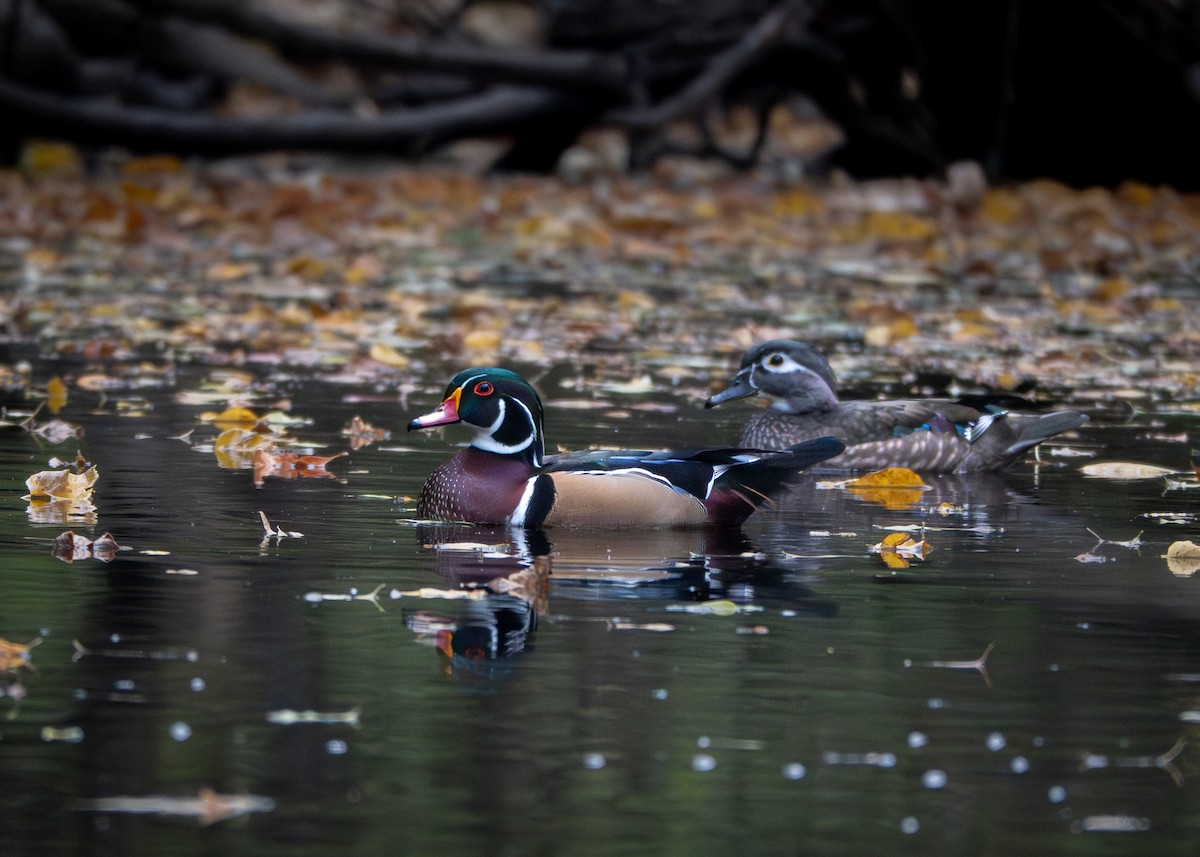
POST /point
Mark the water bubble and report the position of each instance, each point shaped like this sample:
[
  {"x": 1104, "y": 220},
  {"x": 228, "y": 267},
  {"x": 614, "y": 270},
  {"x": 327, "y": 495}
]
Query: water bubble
[
  {"x": 934, "y": 778},
  {"x": 1057, "y": 794},
  {"x": 337, "y": 747},
  {"x": 936, "y": 702},
  {"x": 995, "y": 741},
  {"x": 703, "y": 742},
  {"x": 886, "y": 760},
  {"x": 1039, "y": 741},
  {"x": 703, "y": 762},
  {"x": 909, "y": 824},
  {"x": 197, "y": 684},
  {"x": 794, "y": 771},
  {"x": 660, "y": 693},
  {"x": 1019, "y": 764},
  {"x": 124, "y": 684},
  {"x": 594, "y": 761},
  {"x": 114, "y": 638},
  {"x": 180, "y": 731},
  {"x": 917, "y": 740}
]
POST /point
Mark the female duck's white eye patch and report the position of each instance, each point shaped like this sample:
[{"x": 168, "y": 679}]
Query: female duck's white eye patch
[{"x": 779, "y": 362}]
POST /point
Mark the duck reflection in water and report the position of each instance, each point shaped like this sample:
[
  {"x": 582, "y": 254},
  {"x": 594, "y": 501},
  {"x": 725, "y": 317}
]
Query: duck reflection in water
[{"x": 511, "y": 570}]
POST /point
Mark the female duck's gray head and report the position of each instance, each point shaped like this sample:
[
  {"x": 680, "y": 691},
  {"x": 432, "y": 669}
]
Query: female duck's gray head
[{"x": 796, "y": 375}]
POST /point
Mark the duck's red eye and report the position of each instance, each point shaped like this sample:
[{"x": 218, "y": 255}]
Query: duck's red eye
[{"x": 484, "y": 388}]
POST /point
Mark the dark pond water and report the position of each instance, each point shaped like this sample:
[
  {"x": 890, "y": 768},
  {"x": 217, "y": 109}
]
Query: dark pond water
[{"x": 822, "y": 704}]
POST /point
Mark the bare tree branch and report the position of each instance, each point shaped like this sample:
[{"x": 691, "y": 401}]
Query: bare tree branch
[{"x": 408, "y": 132}]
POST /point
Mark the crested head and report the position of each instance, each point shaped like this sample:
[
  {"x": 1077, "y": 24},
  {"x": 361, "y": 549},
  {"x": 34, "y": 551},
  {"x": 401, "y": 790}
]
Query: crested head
[
  {"x": 795, "y": 374},
  {"x": 500, "y": 406}
]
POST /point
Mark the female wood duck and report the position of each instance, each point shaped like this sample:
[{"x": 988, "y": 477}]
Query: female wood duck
[
  {"x": 504, "y": 477},
  {"x": 931, "y": 435}
]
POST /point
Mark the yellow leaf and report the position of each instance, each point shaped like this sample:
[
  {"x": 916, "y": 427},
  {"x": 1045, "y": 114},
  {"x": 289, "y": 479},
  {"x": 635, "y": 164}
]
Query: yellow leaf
[
  {"x": 56, "y": 395},
  {"x": 389, "y": 356},
  {"x": 238, "y": 440},
  {"x": 893, "y": 488},
  {"x": 44, "y": 157},
  {"x": 891, "y": 477},
  {"x": 482, "y": 340},
  {"x": 232, "y": 417}
]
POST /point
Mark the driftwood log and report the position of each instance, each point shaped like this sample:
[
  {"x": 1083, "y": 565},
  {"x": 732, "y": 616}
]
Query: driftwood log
[{"x": 1089, "y": 91}]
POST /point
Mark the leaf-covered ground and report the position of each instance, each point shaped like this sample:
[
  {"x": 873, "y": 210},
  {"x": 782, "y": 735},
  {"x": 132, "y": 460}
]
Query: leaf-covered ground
[{"x": 390, "y": 274}]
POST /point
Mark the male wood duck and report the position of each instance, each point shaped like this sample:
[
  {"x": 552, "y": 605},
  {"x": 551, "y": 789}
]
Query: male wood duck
[
  {"x": 931, "y": 435},
  {"x": 504, "y": 476}
]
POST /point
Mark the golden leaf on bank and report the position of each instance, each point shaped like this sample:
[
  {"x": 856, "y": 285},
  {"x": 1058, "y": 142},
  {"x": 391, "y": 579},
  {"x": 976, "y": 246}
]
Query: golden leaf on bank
[{"x": 389, "y": 356}]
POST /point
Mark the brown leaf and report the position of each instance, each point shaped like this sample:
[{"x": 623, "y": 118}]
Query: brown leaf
[{"x": 15, "y": 655}]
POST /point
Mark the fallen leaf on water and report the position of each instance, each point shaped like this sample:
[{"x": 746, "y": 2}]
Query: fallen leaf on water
[
  {"x": 62, "y": 484},
  {"x": 363, "y": 434},
  {"x": 897, "y": 549},
  {"x": 1183, "y": 558},
  {"x": 273, "y": 532},
  {"x": 70, "y": 546},
  {"x": 16, "y": 655},
  {"x": 289, "y": 465},
  {"x": 56, "y": 395},
  {"x": 55, "y": 432},
  {"x": 892, "y": 488},
  {"x": 1124, "y": 470},
  {"x": 231, "y": 417},
  {"x": 722, "y": 607},
  {"x": 208, "y": 807},
  {"x": 288, "y": 716}
]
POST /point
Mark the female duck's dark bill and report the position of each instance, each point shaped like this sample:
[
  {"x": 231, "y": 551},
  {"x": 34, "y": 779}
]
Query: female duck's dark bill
[
  {"x": 741, "y": 387},
  {"x": 443, "y": 415}
]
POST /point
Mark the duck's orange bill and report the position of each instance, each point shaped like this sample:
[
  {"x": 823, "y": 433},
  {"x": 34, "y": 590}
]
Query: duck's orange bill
[{"x": 445, "y": 413}]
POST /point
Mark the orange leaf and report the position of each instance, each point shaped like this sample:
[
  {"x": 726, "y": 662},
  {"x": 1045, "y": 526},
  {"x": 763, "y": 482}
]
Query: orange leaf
[{"x": 56, "y": 395}]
